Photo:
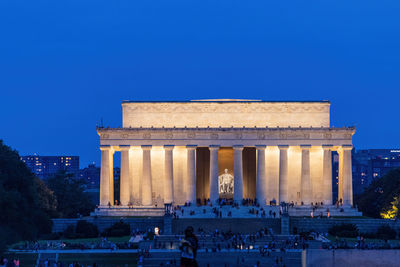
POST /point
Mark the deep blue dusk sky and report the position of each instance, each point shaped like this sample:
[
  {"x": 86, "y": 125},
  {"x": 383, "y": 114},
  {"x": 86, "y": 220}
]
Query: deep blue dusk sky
[{"x": 64, "y": 65}]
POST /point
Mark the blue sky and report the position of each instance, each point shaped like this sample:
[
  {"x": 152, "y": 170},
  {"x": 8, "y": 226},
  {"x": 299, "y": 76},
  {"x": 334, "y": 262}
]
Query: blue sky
[{"x": 64, "y": 65}]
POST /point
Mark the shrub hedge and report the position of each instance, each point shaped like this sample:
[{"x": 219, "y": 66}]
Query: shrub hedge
[
  {"x": 344, "y": 230},
  {"x": 83, "y": 229},
  {"x": 117, "y": 229}
]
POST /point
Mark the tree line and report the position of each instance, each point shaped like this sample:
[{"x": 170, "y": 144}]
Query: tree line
[{"x": 27, "y": 203}]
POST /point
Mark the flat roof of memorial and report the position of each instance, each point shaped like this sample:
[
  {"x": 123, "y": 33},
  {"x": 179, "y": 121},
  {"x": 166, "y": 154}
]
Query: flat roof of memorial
[{"x": 225, "y": 101}]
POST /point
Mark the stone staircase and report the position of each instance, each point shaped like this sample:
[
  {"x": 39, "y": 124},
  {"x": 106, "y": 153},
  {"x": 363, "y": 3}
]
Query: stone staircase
[
  {"x": 241, "y": 212},
  {"x": 172, "y": 242},
  {"x": 236, "y": 225},
  {"x": 225, "y": 258},
  {"x": 301, "y": 211}
]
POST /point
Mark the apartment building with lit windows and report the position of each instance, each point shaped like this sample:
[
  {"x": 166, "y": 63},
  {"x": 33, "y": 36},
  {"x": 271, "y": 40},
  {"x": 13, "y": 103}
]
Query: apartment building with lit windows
[
  {"x": 46, "y": 166},
  {"x": 371, "y": 164}
]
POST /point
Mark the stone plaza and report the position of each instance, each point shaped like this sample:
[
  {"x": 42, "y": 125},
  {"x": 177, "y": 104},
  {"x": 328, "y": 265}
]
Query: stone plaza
[{"x": 203, "y": 150}]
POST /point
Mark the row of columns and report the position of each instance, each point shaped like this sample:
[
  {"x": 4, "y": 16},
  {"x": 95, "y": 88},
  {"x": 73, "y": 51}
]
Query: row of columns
[{"x": 345, "y": 174}]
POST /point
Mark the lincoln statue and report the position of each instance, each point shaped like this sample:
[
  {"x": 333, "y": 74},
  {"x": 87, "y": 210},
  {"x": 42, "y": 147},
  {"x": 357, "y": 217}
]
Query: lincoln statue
[
  {"x": 225, "y": 181},
  {"x": 178, "y": 152}
]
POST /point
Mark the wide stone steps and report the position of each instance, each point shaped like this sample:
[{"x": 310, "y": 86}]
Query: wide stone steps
[
  {"x": 333, "y": 211},
  {"x": 364, "y": 225},
  {"x": 239, "y": 258},
  {"x": 242, "y": 212},
  {"x": 236, "y": 225},
  {"x": 164, "y": 241}
]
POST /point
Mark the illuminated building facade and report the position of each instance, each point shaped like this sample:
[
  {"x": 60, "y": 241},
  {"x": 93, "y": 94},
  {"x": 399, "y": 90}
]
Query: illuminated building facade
[{"x": 175, "y": 152}]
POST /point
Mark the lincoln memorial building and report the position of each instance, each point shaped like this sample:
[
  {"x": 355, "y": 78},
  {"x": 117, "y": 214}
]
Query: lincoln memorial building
[{"x": 177, "y": 152}]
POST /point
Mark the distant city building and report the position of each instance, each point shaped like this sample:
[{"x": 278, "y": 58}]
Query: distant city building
[
  {"x": 46, "y": 166},
  {"x": 91, "y": 176},
  {"x": 371, "y": 164},
  {"x": 117, "y": 173}
]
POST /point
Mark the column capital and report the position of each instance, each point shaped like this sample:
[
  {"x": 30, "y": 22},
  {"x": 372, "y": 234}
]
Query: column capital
[
  {"x": 327, "y": 147},
  {"x": 191, "y": 147},
  {"x": 124, "y": 147},
  {"x": 213, "y": 147},
  {"x": 305, "y": 147},
  {"x": 238, "y": 147},
  {"x": 261, "y": 147},
  {"x": 106, "y": 147},
  {"x": 283, "y": 147},
  {"x": 169, "y": 147},
  {"x": 346, "y": 147},
  {"x": 146, "y": 147}
]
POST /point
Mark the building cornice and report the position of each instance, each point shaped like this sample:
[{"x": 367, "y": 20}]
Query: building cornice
[
  {"x": 224, "y": 129},
  {"x": 232, "y": 133},
  {"x": 227, "y": 107},
  {"x": 226, "y": 101}
]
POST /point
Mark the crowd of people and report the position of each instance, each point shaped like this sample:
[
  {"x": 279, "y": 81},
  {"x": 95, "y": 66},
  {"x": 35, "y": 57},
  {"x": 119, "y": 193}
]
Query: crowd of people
[
  {"x": 220, "y": 240},
  {"x": 263, "y": 241},
  {"x": 225, "y": 202},
  {"x": 361, "y": 243},
  {"x": 13, "y": 262},
  {"x": 252, "y": 206},
  {"x": 102, "y": 243}
]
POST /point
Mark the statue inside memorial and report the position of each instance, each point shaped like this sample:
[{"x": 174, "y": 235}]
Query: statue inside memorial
[{"x": 225, "y": 183}]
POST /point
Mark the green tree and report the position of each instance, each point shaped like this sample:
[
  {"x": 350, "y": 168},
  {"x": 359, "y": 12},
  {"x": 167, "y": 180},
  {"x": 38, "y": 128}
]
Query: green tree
[
  {"x": 47, "y": 199},
  {"x": 23, "y": 215},
  {"x": 393, "y": 211},
  {"x": 71, "y": 197},
  {"x": 379, "y": 195}
]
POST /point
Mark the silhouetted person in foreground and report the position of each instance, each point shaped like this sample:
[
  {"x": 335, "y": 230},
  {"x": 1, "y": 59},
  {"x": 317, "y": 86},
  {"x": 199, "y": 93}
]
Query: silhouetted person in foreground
[{"x": 188, "y": 248}]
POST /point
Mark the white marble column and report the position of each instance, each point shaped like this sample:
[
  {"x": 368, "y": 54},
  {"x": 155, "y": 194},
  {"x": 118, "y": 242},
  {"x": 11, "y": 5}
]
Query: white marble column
[
  {"x": 306, "y": 189},
  {"x": 283, "y": 173},
  {"x": 146, "y": 177},
  {"x": 191, "y": 173},
  {"x": 168, "y": 174},
  {"x": 345, "y": 175},
  {"x": 106, "y": 176},
  {"x": 261, "y": 177},
  {"x": 238, "y": 174},
  {"x": 124, "y": 184},
  {"x": 327, "y": 175},
  {"x": 214, "y": 193},
  {"x": 135, "y": 166}
]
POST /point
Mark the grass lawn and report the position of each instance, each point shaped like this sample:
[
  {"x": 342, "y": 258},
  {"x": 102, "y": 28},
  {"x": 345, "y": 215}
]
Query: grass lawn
[
  {"x": 102, "y": 259},
  {"x": 335, "y": 217},
  {"x": 79, "y": 240},
  {"x": 367, "y": 240},
  {"x": 96, "y": 239},
  {"x": 352, "y": 217}
]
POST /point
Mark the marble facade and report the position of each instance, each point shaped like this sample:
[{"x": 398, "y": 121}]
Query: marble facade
[{"x": 281, "y": 151}]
